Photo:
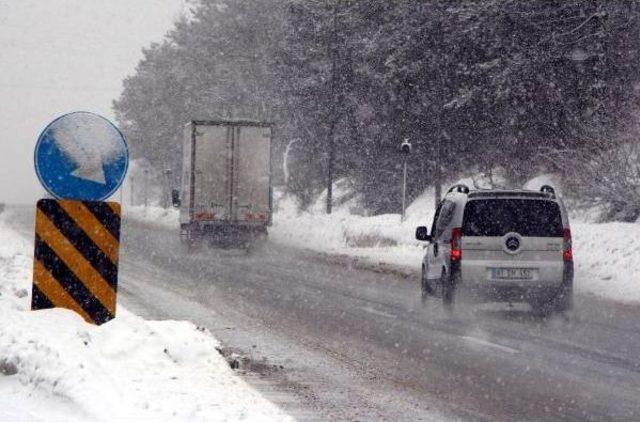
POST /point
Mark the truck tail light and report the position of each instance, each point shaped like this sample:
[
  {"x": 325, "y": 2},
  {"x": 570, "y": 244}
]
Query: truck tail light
[
  {"x": 204, "y": 216},
  {"x": 456, "y": 245},
  {"x": 255, "y": 216},
  {"x": 567, "y": 248}
]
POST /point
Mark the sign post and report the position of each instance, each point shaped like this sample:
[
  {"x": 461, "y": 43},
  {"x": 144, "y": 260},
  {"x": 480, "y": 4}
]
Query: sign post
[{"x": 81, "y": 159}]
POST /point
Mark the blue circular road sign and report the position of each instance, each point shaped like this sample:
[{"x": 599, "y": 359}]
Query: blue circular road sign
[{"x": 81, "y": 156}]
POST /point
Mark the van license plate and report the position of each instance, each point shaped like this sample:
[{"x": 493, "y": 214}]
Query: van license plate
[{"x": 512, "y": 273}]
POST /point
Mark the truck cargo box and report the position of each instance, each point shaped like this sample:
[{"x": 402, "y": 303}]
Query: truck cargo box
[{"x": 226, "y": 180}]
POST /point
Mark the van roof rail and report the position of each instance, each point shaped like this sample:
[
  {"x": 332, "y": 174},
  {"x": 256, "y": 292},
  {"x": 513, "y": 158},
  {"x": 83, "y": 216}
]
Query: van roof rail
[
  {"x": 549, "y": 190},
  {"x": 488, "y": 193},
  {"x": 459, "y": 188}
]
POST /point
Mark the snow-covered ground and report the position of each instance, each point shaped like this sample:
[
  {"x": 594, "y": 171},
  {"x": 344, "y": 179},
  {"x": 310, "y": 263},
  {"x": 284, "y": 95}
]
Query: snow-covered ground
[
  {"x": 377, "y": 239},
  {"x": 606, "y": 257},
  {"x": 56, "y": 367}
]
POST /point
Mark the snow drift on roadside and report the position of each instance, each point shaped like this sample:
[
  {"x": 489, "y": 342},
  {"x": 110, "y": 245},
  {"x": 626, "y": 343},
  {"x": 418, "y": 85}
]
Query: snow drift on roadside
[
  {"x": 382, "y": 238},
  {"x": 52, "y": 363},
  {"x": 606, "y": 259}
]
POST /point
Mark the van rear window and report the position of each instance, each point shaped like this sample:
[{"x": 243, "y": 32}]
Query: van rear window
[{"x": 497, "y": 217}]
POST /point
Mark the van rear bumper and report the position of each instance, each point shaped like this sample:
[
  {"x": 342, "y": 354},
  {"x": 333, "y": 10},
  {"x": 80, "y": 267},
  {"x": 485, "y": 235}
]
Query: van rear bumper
[
  {"x": 550, "y": 278},
  {"x": 510, "y": 292}
]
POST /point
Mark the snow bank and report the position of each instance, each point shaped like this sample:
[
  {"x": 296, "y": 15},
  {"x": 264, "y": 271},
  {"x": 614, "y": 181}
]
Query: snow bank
[
  {"x": 606, "y": 259},
  {"x": 54, "y": 366},
  {"x": 377, "y": 239}
]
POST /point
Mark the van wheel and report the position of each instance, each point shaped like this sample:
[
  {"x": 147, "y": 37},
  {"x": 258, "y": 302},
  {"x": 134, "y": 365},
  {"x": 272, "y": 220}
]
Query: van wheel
[
  {"x": 448, "y": 290},
  {"x": 563, "y": 301},
  {"x": 426, "y": 288},
  {"x": 560, "y": 302}
]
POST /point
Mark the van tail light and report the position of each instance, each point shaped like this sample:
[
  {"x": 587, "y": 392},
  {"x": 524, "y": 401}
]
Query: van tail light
[
  {"x": 567, "y": 248},
  {"x": 456, "y": 245}
]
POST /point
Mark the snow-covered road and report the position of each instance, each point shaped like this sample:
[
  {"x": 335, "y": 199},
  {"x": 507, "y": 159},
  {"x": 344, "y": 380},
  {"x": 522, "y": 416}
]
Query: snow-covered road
[
  {"x": 328, "y": 339},
  {"x": 357, "y": 344}
]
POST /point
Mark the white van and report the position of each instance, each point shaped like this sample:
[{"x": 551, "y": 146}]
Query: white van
[{"x": 500, "y": 245}]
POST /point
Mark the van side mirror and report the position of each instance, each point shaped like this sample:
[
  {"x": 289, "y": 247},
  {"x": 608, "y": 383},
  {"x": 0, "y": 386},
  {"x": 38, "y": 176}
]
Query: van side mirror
[
  {"x": 423, "y": 234},
  {"x": 175, "y": 198}
]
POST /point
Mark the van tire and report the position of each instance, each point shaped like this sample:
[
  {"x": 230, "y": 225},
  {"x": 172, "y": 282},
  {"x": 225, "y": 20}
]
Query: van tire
[
  {"x": 563, "y": 302},
  {"x": 425, "y": 288},
  {"x": 448, "y": 290},
  {"x": 560, "y": 301}
]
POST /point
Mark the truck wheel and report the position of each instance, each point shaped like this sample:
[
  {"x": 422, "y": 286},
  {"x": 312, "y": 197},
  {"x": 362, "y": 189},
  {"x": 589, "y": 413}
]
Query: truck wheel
[
  {"x": 447, "y": 284},
  {"x": 184, "y": 240},
  {"x": 184, "y": 246},
  {"x": 194, "y": 240},
  {"x": 256, "y": 241}
]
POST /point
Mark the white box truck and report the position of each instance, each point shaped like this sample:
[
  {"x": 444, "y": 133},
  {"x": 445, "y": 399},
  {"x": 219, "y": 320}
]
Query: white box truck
[{"x": 226, "y": 183}]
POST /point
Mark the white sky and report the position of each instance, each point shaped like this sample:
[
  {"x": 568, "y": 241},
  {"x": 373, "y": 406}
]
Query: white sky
[{"x": 58, "y": 56}]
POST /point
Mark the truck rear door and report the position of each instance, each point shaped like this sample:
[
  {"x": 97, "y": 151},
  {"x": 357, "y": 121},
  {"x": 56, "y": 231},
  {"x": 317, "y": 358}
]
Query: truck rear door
[
  {"x": 252, "y": 174},
  {"x": 212, "y": 181}
]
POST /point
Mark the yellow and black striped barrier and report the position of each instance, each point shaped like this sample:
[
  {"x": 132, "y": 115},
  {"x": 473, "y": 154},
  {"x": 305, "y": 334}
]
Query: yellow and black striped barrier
[{"x": 76, "y": 257}]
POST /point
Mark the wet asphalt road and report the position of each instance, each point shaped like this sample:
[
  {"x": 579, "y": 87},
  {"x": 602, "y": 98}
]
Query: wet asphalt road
[
  {"x": 358, "y": 344},
  {"x": 332, "y": 341}
]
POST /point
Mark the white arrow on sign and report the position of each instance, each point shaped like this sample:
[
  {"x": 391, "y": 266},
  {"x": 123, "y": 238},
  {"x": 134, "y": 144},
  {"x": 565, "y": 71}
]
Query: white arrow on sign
[
  {"x": 90, "y": 142},
  {"x": 90, "y": 171}
]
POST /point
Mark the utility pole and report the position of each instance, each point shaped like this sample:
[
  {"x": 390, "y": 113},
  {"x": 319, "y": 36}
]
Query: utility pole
[
  {"x": 330, "y": 174},
  {"x": 334, "y": 117},
  {"x": 441, "y": 117},
  {"x": 146, "y": 187},
  {"x": 437, "y": 174},
  {"x": 167, "y": 173},
  {"x": 404, "y": 190},
  {"x": 443, "y": 136},
  {"x": 405, "y": 149},
  {"x": 437, "y": 171}
]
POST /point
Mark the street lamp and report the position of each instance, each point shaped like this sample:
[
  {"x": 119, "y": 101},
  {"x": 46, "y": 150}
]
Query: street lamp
[{"x": 405, "y": 150}]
